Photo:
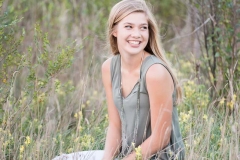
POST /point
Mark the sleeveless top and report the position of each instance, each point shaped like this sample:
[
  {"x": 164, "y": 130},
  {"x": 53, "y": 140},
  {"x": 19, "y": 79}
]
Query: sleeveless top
[{"x": 138, "y": 120}]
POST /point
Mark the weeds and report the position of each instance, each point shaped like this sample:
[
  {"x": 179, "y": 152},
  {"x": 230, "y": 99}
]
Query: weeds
[{"x": 52, "y": 99}]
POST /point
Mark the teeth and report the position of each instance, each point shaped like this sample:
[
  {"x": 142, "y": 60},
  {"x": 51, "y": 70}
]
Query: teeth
[{"x": 134, "y": 42}]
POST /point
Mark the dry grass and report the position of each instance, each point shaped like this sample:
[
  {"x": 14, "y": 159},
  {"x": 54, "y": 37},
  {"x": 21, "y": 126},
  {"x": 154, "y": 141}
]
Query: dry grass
[{"x": 43, "y": 115}]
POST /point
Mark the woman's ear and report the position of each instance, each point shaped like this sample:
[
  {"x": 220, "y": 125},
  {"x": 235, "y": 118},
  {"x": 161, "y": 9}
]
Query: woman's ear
[{"x": 114, "y": 33}]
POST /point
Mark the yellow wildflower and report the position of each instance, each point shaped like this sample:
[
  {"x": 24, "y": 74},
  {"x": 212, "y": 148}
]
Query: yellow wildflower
[
  {"x": 196, "y": 141},
  {"x": 189, "y": 90},
  {"x": 138, "y": 151},
  {"x": 40, "y": 83},
  {"x": 60, "y": 91},
  {"x": 187, "y": 145},
  {"x": 86, "y": 141},
  {"x": 21, "y": 148},
  {"x": 95, "y": 93},
  {"x": 70, "y": 150},
  {"x": 186, "y": 117},
  {"x": 106, "y": 116},
  {"x": 80, "y": 114},
  {"x": 230, "y": 104},
  {"x": 4, "y": 80},
  {"x": 205, "y": 117},
  {"x": 190, "y": 82},
  {"x": 75, "y": 115},
  {"x": 171, "y": 153},
  {"x": 80, "y": 128},
  {"x": 203, "y": 103},
  {"x": 88, "y": 102},
  {"x": 190, "y": 112},
  {"x": 76, "y": 140},
  {"x": 220, "y": 142},
  {"x": 222, "y": 101},
  {"x": 28, "y": 140},
  {"x": 83, "y": 106}
]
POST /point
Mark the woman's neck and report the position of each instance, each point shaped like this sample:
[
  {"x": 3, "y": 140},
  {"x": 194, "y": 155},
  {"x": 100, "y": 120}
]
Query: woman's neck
[{"x": 130, "y": 63}]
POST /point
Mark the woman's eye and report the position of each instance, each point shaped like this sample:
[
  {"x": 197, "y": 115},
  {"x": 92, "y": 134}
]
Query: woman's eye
[
  {"x": 128, "y": 27},
  {"x": 144, "y": 28}
]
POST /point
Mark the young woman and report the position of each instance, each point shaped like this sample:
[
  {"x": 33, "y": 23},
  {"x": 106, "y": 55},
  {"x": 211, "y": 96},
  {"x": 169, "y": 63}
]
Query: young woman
[{"x": 141, "y": 90}]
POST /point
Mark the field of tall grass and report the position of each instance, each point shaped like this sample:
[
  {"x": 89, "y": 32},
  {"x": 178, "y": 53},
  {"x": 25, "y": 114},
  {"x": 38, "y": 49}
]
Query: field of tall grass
[{"x": 51, "y": 94}]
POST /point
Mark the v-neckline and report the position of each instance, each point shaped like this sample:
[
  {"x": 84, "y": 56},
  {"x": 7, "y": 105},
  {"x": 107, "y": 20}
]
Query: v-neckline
[
  {"x": 120, "y": 77},
  {"x": 130, "y": 91}
]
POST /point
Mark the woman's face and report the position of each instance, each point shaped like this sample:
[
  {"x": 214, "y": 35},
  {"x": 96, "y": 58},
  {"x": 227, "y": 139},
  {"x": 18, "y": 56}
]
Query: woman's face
[{"x": 132, "y": 33}]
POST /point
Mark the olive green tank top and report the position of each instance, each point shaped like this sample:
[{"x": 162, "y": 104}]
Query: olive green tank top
[{"x": 135, "y": 115}]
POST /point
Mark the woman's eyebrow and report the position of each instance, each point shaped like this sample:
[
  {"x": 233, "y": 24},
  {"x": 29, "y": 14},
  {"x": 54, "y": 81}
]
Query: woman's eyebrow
[{"x": 133, "y": 23}]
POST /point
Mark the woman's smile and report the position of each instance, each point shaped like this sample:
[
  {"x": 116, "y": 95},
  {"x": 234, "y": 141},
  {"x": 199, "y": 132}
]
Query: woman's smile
[{"x": 134, "y": 43}]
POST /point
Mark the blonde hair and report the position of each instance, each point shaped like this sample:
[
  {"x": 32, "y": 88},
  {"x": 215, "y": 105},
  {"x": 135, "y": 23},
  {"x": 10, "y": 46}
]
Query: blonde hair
[{"x": 154, "y": 46}]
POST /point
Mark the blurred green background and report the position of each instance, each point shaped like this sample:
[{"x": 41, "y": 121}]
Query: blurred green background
[{"x": 51, "y": 95}]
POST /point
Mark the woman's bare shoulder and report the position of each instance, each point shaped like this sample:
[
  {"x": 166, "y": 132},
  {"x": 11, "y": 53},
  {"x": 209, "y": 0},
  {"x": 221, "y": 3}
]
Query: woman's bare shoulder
[
  {"x": 158, "y": 74},
  {"x": 106, "y": 65},
  {"x": 106, "y": 71}
]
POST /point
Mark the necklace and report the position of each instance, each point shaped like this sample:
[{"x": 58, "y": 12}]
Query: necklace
[
  {"x": 122, "y": 116},
  {"x": 139, "y": 74}
]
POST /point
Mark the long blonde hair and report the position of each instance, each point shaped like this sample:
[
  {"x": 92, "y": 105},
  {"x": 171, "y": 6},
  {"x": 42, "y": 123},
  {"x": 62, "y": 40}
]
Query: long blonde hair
[{"x": 154, "y": 46}]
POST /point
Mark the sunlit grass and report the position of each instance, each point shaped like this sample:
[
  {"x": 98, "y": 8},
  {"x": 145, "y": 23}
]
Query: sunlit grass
[{"x": 52, "y": 99}]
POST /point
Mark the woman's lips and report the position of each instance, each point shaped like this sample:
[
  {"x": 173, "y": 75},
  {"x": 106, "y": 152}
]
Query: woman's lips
[{"x": 134, "y": 43}]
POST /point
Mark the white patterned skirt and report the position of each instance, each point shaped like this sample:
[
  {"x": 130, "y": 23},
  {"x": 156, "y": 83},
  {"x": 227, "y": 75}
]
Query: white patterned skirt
[{"x": 84, "y": 155}]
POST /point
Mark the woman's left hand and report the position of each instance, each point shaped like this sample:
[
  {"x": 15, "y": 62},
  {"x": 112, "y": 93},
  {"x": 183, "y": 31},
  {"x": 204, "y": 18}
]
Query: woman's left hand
[{"x": 130, "y": 157}]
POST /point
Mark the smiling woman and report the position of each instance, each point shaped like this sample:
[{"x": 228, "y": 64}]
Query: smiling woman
[{"x": 142, "y": 91}]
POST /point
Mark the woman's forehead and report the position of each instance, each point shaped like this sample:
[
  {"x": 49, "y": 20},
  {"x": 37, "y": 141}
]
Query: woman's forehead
[{"x": 135, "y": 18}]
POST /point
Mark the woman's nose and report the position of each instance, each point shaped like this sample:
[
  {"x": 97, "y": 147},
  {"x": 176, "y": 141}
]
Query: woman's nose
[{"x": 136, "y": 33}]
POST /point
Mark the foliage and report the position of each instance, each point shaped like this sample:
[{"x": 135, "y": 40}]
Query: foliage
[
  {"x": 207, "y": 128},
  {"x": 220, "y": 45},
  {"x": 25, "y": 123},
  {"x": 51, "y": 96},
  {"x": 170, "y": 16}
]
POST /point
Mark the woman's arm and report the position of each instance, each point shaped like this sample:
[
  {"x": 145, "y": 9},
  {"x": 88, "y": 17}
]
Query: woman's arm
[
  {"x": 113, "y": 139},
  {"x": 160, "y": 89}
]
